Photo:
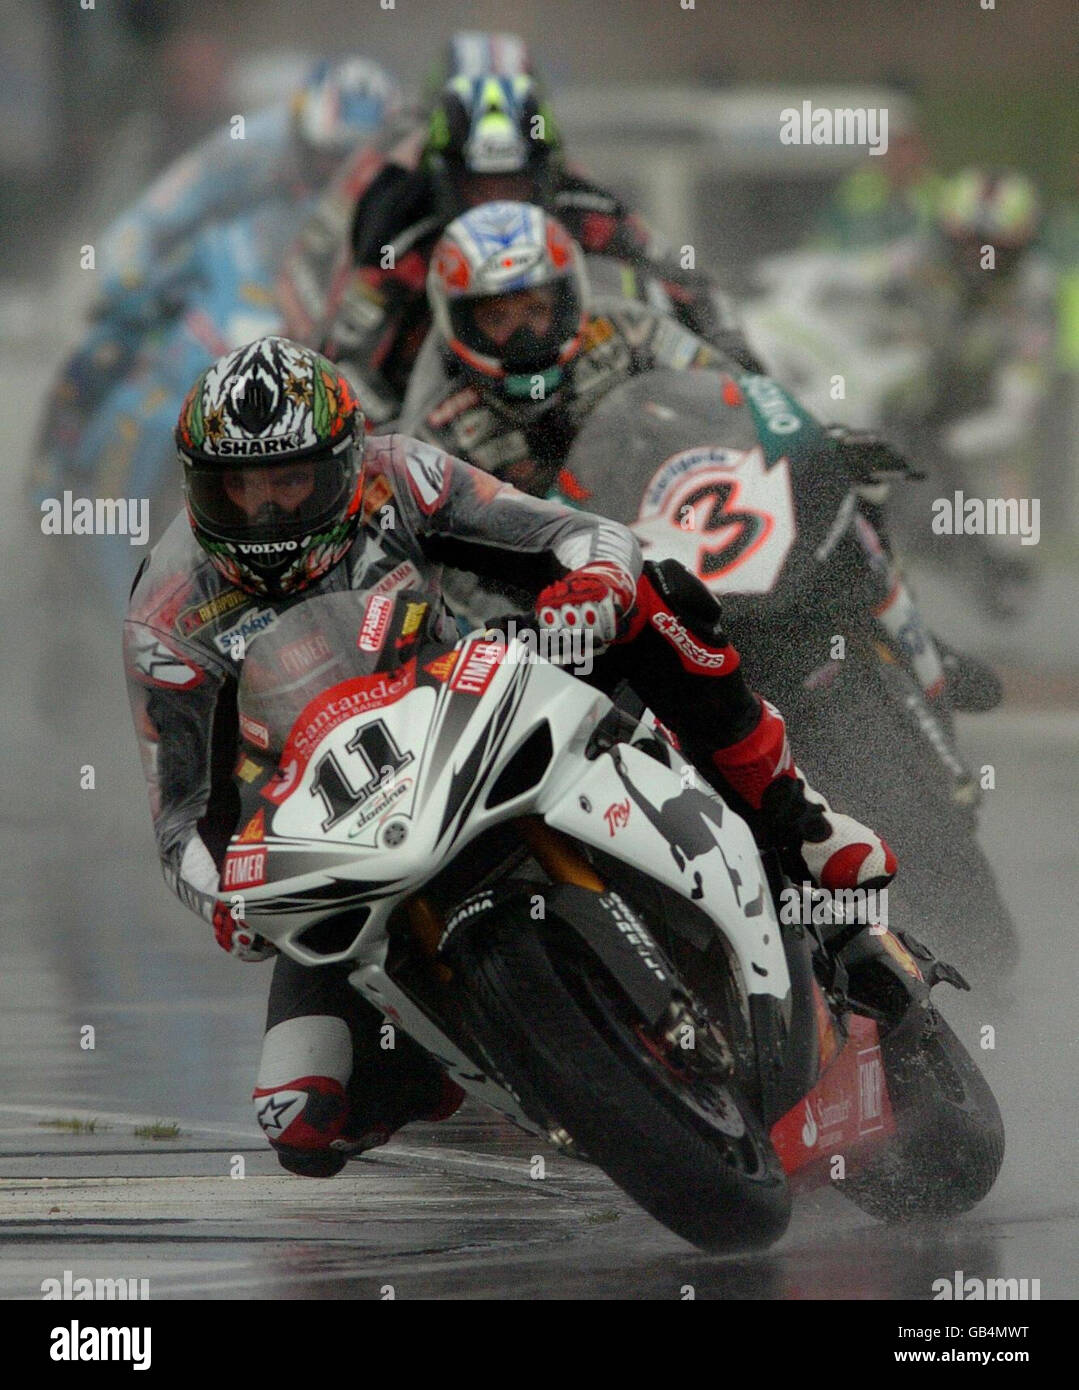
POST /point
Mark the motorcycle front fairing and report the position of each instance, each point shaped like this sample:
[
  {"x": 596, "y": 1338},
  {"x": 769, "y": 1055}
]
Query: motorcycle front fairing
[
  {"x": 383, "y": 776},
  {"x": 629, "y": 806}
]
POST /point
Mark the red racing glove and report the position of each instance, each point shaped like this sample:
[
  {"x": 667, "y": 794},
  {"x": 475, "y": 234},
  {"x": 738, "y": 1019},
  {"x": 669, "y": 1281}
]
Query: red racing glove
[
  {"x": 237, "y": 938},
  {"x": 594, "y": 598}
]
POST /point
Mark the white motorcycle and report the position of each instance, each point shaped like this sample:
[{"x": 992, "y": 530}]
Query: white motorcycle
[{"x": 532, "y": 886}]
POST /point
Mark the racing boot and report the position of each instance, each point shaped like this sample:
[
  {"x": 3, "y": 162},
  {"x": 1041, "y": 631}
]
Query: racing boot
[
  {"x": 348, "y": 1098},
  {"x": 836, "y": 851},
  {"x": 300, "y": 1097}
]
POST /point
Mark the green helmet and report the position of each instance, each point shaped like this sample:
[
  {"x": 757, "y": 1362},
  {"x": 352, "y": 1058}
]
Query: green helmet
[
  {"x": 485, "y": 130},
  {"x": 1002, "y": 210}
]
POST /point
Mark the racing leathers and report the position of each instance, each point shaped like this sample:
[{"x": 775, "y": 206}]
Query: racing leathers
[
  {"x": 373, "y": 316},
  {"x": 325, "y": 1086},
  {"x": 526, "y": 442}
]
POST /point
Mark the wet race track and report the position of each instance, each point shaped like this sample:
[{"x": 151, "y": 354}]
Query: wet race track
[{"x": 93, "y": 938}]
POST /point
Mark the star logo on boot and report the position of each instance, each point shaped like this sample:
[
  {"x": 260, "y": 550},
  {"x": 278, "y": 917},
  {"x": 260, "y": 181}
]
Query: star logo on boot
[{"x": 272, "y": 1113}]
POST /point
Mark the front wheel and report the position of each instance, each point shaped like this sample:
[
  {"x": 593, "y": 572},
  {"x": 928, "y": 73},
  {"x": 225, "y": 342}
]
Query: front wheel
[{"x": 553, "y": 1027}]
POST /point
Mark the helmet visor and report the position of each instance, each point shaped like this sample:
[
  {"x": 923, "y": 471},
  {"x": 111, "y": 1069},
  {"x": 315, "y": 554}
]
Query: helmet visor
[
  {"x": 522, "y": 331},
  {"x": 258, "y": 504}
]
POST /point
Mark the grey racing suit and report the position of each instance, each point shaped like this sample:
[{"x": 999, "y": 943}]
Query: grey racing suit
[{"x": 422, "y": 509}]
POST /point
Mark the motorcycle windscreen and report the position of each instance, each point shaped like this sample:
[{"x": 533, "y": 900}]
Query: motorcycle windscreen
[
  {"x": 319, "y": 643},
  {"x": 730, "y": 478},
  {"x": 642, "y": 423}
]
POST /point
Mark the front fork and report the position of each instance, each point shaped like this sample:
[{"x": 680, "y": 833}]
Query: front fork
[
  {"x": 564, "y": 863},
  {"x": 555, "y": 854},
  {"x": 933, "y": 726}
]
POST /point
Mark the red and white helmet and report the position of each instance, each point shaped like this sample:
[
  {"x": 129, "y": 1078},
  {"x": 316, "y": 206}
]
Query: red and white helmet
[{"x": 492, "y": 253}]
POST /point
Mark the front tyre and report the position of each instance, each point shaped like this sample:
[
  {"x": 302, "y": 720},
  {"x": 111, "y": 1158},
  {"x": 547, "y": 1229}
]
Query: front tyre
[{"x": 553, "y": 1027}]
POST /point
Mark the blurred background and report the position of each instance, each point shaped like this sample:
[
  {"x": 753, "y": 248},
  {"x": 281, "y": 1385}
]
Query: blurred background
[
  {"x": 986, "y": 85},
  {"x": 676, "y": 109}
]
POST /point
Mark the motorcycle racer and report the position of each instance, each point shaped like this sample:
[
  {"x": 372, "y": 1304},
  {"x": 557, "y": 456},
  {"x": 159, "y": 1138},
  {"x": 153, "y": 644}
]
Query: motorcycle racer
[
  {"x": 148, "y": 259},
  {"x": 489, "y": 136},
  {"x": 521, "y": 354},
  {"x": 980, "y": 296},
  {"x": 320, "y": 251},
  {"x": 286, "y": 498}
]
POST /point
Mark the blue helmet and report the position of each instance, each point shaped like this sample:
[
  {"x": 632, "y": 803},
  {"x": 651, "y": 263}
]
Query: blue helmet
[{"x": 343, "y": 102}]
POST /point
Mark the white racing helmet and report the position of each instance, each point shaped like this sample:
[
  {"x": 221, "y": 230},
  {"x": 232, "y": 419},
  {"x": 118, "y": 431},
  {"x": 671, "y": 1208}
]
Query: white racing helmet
[{"x": 495, "y": 251}]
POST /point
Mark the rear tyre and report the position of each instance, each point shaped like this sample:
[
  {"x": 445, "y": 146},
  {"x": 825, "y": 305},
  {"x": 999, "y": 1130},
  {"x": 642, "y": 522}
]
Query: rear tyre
[
  {"x": 553, "y": 1027},
  {"x": 949, "y": 1144}
]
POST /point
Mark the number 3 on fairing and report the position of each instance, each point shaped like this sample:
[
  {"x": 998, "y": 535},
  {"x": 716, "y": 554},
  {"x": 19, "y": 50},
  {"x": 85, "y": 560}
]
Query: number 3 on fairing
[
  {"x": 733, "y": 525},
  {"x": 751, "y": 528},
  {"x": 382, "y": 761}
]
